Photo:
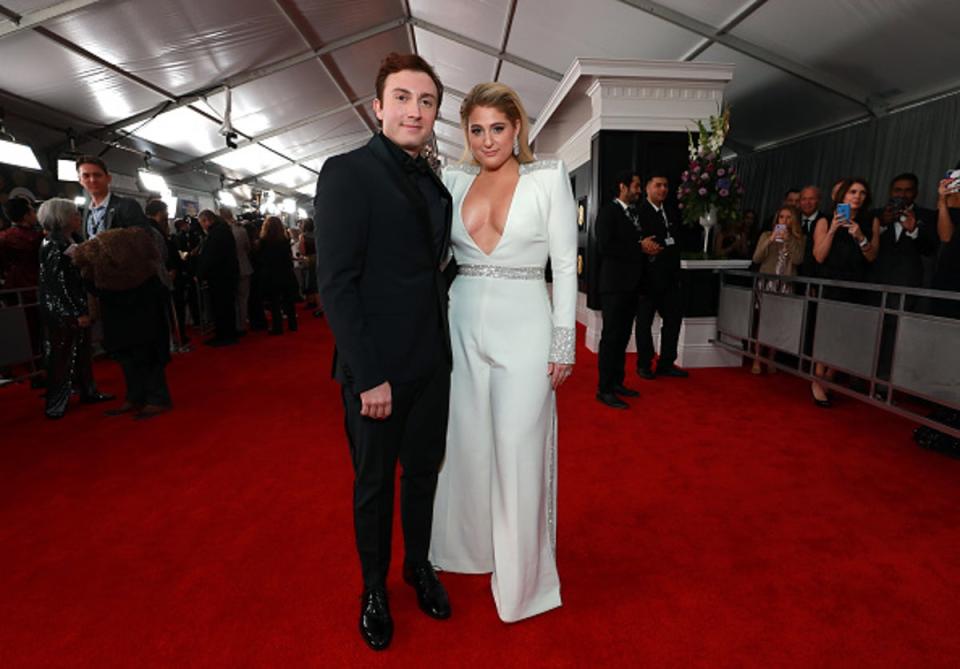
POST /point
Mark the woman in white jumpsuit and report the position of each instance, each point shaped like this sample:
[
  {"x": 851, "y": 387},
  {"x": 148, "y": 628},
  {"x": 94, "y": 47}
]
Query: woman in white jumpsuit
[{"x": 495, "y": 509}]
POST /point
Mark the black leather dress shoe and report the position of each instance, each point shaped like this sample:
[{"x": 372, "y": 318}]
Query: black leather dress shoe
[
  {"x": 431, "y": 595},
  {"x": 645, "y": 373},
  {"x": 376, "y": 625},
  {"x": 623, "y": 391},
  {"x": 97, "y": 397},
  {"x": 612, "y": 400},
  {"x": 675, "y": 372}
]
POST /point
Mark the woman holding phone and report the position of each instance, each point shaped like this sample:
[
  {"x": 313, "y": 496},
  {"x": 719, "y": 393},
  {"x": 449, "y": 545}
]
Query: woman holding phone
[{"x": 844, "y": 249}]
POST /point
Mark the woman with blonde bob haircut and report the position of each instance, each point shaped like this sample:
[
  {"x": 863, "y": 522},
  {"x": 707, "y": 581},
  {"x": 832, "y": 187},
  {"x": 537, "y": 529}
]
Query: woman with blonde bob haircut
[{"x": 513, "y": 346}]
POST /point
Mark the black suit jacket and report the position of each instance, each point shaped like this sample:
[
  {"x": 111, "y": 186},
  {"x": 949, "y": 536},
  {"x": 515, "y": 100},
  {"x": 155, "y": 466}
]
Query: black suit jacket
[
  {"x": 621, "y": 264},
  {"x": 809, "y": 265},
  {"x": 379, "y": 269},
  {"x": 662, "y": 270},
  {"x": 900, "y": 262},
  {"x": 218, "y": 257},
  {"x": 122, "y": 212}
]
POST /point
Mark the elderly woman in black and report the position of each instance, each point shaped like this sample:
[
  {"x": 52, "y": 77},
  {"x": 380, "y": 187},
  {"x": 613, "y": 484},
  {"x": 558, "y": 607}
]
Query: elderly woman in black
[
  {"x": 844, "y": 247},
  {"x": 63, "y": 309}
]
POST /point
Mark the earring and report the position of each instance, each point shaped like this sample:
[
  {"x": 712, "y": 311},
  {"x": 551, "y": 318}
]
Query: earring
[{"x": 516, "y": 146}]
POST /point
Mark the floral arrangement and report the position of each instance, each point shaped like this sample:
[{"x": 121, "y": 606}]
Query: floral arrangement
[{"x": 709, "y": 183}]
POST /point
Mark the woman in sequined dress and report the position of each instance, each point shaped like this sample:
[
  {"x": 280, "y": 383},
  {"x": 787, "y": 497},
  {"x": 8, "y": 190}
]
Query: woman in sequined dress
[
  {"x": 63, "y": 309},
  {"x": 512, "y": 348}
]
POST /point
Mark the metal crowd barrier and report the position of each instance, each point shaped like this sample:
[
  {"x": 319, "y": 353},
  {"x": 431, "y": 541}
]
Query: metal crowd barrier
[
  {"x": 18, "y": 307},
  {"x": 896, "y": 340}
]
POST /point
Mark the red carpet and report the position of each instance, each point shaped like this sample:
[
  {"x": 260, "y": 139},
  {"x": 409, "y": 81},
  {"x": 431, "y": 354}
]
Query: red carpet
[{"x": 723, "y": 522}]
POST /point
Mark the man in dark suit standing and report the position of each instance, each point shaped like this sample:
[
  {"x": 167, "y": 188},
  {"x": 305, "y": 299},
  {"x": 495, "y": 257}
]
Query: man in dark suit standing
[
  {"x": 908, "y": 236},
  {"x": 621, "y": 269},
  {"x": 218, "y": 266},
  {"x": 381, "y": 246},
  {"x": 106, "y": 210},
  {"x": 661, "y": 281}
]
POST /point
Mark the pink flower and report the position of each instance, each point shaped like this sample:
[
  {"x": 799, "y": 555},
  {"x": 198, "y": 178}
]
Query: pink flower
[
  {"x": 705, "y": 176},
  {"x": 724, "y": 192},
  {"x": 696, "y": 169},
  {"x": 680, "y": 205},
  {"x": 721, "y": 172},
  {"x": 702, "y": 191}
]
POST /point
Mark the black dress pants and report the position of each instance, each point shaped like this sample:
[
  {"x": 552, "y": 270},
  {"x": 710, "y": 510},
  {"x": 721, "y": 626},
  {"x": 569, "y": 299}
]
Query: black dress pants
[
  {"x": 69, "y": 362},
  {"x": 222, "y": 304},
  {"x": 664, "y": 299},
  {"x": 145, "y": 377},
  {"x": 415, "y": 434},
  {"x": 619, "y": 309}
]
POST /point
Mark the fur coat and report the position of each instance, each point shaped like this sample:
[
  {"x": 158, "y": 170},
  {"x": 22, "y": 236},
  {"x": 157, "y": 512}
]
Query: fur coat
[{"x": 119, "y": 259}]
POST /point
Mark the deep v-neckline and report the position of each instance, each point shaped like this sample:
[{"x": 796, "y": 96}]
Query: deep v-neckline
[{"x": 506, "y": 220}]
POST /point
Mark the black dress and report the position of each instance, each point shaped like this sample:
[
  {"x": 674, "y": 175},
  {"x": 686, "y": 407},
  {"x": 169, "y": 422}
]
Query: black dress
[
  {"x": 846, "y": 262},
  {"x": 947, "y": 275},
  {"x": 278, "y": 283}
]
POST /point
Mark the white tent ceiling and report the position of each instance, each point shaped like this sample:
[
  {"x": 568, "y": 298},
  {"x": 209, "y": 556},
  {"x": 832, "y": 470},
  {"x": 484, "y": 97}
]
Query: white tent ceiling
[{"x": 153, "y": 75}]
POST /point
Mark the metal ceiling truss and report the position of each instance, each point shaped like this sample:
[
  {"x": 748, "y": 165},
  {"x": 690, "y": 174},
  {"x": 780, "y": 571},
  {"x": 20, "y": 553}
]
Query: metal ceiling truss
[
  {"x": 484, "y": 48},
  {"x": 819, "y": 79},
  {"x": 19, "y": 22},
  {"x": 342, "y": 147},
  {"x": 507, "y": 27},
  {"x": 196, "y": 162},
  {"x": 723, "y": 29}
]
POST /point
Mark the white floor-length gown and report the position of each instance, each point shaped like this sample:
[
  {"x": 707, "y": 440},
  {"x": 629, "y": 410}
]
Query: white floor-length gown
[{"x": 495, "y": 509}]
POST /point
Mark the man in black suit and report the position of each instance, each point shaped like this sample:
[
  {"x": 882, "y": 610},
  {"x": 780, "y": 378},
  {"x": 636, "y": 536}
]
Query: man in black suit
[
  {"x": 661, "y": 281},
  {"x": 106, "y": 210},
  {"x": 381, "y": 246},
  {"x": 621, "y": 268},
  {"x": 908, "y": 236},
  {"x": 810, "y": 213},
  {"x": 219, "y": 268}
]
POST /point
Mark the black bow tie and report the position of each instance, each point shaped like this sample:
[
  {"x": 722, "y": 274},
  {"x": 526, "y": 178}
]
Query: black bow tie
[{"x": 416, "y": 166}]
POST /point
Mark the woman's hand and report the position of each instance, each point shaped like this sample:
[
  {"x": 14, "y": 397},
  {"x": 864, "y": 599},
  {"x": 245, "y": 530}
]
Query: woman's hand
[
  {"x": 836, "y": 223},
  {"x": 855, "y": 232},
  {"x": 558, "y": 373}
]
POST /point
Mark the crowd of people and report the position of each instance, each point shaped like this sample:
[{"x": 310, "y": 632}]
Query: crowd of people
[
  {"x": 449, "y": 347},
  {"x": 900, "y": 243},
  {"x": 118, "y": 277}
]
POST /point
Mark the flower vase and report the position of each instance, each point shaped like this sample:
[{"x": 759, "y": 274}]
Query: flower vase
[{"x": 707, "y": 221}]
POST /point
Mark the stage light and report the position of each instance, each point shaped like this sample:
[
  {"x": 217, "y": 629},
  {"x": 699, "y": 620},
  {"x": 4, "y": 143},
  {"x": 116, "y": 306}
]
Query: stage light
[
  {"x": 153, "y": 182},
  {"x": 80, "y": 200},
  {"x": 289, "y": 205},
  {"x": 227, "y": 199},
  {"x": 67, "y": 170},
  {"x": 17, "y": 154},
  {"x": 302, "y": 213}
]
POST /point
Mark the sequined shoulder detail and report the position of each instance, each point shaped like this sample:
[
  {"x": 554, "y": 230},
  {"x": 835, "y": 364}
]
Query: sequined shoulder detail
[
  {"x": 539, "y": 165},
  {"x": 466, "y": 168}
]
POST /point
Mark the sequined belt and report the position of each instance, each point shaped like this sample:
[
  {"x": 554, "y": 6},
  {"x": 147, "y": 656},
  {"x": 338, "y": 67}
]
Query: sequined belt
[{"x": 500, "y": 272}]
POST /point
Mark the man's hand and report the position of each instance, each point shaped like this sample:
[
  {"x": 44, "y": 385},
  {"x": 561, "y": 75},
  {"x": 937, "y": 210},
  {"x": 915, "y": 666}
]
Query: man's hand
[
  {"x": 650, "y": 247},
  {"x": 377, "y": 403},
  {"x": 909, "y": 221}
]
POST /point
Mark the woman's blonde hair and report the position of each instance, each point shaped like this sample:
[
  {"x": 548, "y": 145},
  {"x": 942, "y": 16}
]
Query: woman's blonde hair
[
  {"x": 795, "y": 228},
  {"x": 505, "y": 100}
]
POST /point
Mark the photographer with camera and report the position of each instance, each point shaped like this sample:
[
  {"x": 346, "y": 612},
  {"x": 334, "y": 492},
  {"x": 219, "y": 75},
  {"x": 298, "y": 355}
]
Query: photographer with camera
[
  {"x": 947, "y": 276},
  {"x": 908, "y": 237}
]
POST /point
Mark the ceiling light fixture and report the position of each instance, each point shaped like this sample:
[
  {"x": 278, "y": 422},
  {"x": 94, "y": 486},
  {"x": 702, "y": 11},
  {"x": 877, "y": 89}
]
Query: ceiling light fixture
[{"x": 13, "y": 152}]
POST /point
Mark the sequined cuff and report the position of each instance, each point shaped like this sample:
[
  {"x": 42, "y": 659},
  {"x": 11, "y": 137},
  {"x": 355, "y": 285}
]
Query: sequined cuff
[{"x": 563, "y": 345}]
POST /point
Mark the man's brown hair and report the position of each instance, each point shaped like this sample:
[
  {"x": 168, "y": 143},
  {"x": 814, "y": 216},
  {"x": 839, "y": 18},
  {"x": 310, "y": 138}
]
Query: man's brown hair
[
  {"x": 397, "y": 62},
  {"x": 92, "y": 160}
]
